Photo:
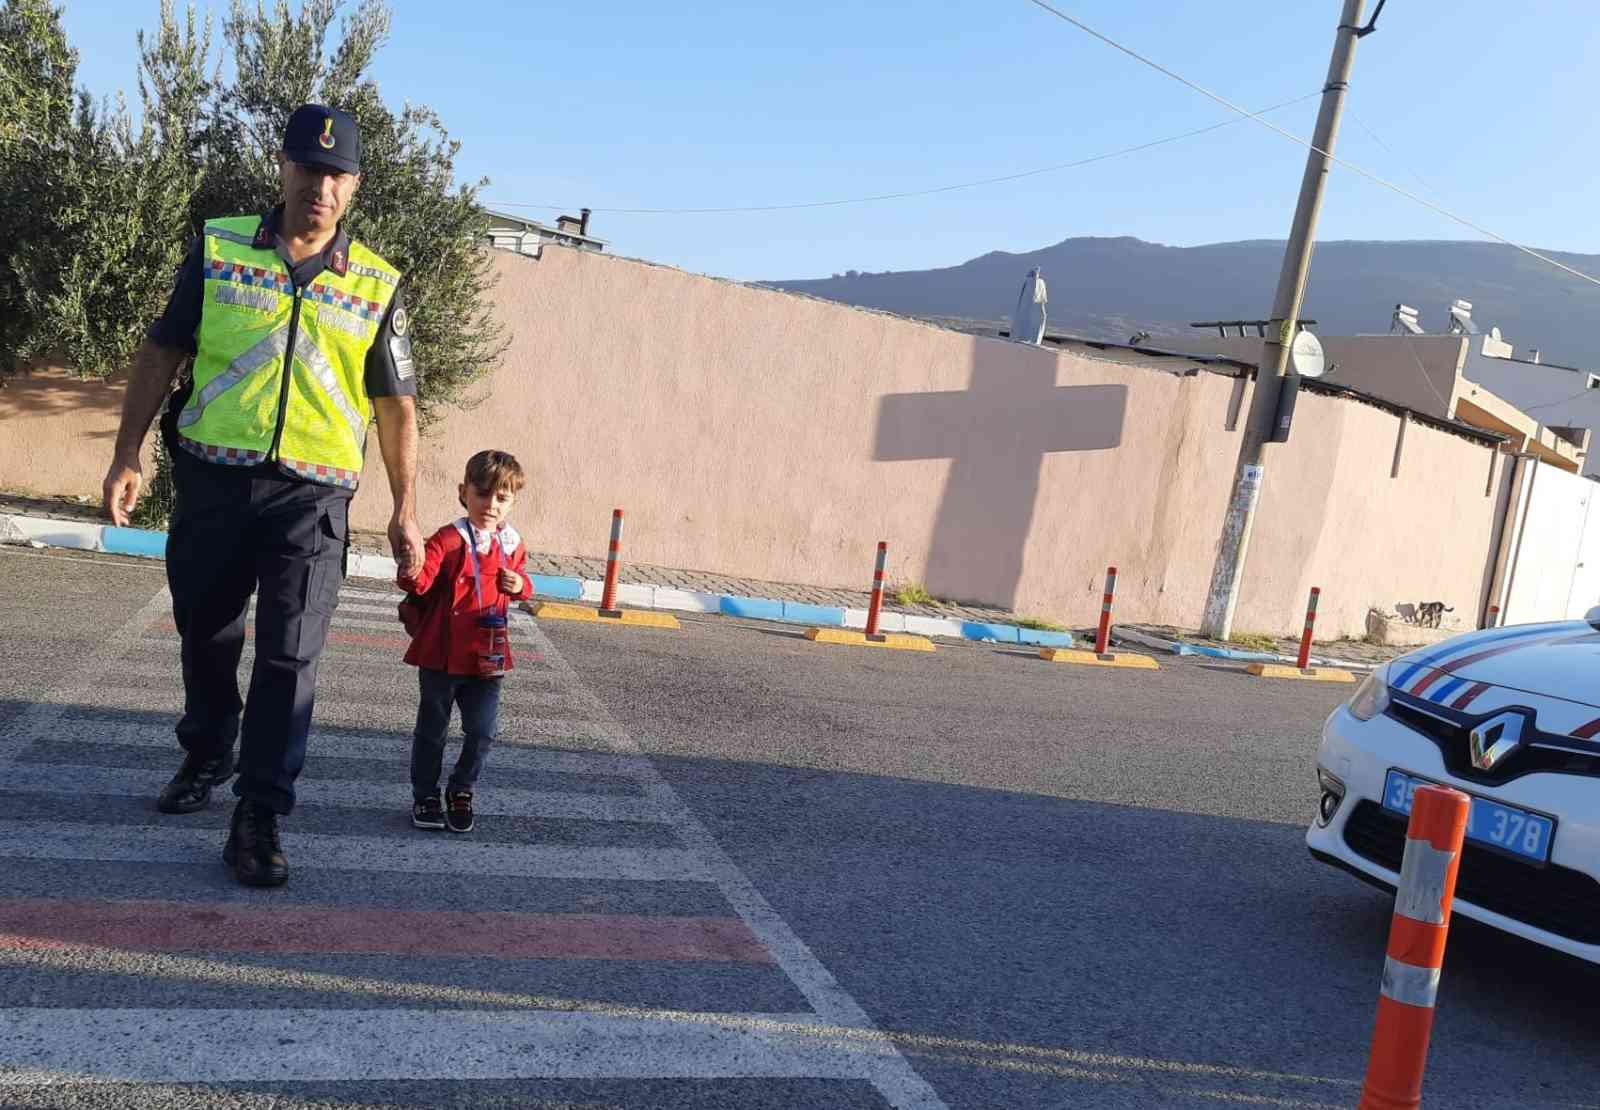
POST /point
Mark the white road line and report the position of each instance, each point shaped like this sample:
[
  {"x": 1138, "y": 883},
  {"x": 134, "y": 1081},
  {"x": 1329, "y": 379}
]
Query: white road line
[
  {"x": 895, "y": 1079},
  {"x": 318, "y": 851},
  {"x": 354, "y": 744},
  {"x": 40, "y": 718},
  {"x": 535, "y": 690},
  {"x": 66, "y": 780},
  {"x": 52, "y": 1046}
]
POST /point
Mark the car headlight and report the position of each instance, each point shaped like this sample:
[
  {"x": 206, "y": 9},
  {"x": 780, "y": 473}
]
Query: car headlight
[{"x": 1372, "y": 696}]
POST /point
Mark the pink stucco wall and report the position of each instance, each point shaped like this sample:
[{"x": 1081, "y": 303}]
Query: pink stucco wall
[{"x": 751, "y": 432}]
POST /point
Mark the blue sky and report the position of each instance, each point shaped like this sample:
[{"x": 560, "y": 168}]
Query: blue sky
[{"x": 1487, "y": 109}]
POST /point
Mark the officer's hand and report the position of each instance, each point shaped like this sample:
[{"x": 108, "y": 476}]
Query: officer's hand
[
  {"x": 120, "y": 491},
  {"x": 510, "y": 581},
  {"x": 405, "y": 539}
]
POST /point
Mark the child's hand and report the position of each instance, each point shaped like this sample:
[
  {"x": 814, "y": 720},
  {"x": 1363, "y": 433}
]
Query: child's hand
[{"x": 510, "y": 582}]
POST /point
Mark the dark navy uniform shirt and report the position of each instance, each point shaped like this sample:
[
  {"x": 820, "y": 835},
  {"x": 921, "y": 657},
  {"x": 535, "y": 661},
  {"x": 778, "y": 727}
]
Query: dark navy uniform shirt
[{"x": 389, "y": 371}]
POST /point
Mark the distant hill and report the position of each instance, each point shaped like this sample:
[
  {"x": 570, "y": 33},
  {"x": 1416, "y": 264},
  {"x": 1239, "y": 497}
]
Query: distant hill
[{"x": 1110, "y": 288}]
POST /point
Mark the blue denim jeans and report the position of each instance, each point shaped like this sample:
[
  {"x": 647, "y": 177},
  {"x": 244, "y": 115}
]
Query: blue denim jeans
[{"x": 479, "y": 699}]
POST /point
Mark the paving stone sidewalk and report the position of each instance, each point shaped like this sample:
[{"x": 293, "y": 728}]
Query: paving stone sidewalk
[{"x": 579, "y": 566}]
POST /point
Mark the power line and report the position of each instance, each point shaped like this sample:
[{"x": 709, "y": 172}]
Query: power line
[
  {"x": 915, "y": 192},
  {"x": 1412, "y": 170},
  {"x": 1352, "y": 167}
]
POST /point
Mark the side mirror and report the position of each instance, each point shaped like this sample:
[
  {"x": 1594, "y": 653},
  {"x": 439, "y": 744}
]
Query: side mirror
[{"x": 1593, "y": 617}]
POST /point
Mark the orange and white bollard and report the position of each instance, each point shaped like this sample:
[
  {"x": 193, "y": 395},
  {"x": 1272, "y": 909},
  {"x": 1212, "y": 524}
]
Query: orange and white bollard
[
  {"x": 1102, "y": 635},
  {"x": 608, "y": 595},
  {"x": 1102, "y": 655},
  {"x": 876, "y": 604},
  {"x": 609, "y": 613},
  {"x": 1304, "y": 659},
  {"x": 1416, "y": 949},
  {"x": 1302, "y": 668},
  {"x": 870, "y": 636}
]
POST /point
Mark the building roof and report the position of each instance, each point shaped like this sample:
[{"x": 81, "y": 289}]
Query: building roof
[{"x": 521, "y": 223}]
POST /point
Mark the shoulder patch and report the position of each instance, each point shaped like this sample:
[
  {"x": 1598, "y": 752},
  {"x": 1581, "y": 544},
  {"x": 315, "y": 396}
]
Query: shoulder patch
[
  {"x": 400, "y": 351},
  {"x": 399, "y": 322}
]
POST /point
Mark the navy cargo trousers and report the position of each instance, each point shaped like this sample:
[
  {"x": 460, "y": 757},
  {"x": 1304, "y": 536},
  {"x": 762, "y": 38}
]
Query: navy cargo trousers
[{"x": 235, "y": 533}]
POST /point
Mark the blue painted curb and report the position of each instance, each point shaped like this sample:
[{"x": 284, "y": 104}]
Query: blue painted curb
[
  {"x": 134, "y": 541},
  {"x": 801, "y": 613},
  {"x": 555, "y": 586},
  {"x": 757, "y": 608},
  {"x": 1044, "y": 639},
  {"x": 1225, "y": 653},
  {"x": 999, "y": 633}
]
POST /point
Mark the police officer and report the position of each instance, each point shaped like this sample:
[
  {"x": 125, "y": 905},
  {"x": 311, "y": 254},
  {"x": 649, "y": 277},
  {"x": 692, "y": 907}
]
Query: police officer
[{"x": 298, "y": 338}]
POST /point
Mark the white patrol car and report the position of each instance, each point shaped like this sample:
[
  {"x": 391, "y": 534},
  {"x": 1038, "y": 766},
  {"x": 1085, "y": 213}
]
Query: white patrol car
[{"x": 1509, "y": 716}]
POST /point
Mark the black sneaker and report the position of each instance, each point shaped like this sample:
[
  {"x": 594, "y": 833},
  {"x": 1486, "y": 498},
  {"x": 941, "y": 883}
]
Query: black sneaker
[
  {"x": 458, "y": 813},
  {"x": 428, "y": 813},
  {"x": 190, "y": 789},
  {"x": 253, "y": 850}
]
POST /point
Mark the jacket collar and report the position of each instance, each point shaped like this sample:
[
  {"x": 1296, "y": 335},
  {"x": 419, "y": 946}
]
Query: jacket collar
[
  {"x": 507, "y": 535},
  {"x": 335, "y": 256}
]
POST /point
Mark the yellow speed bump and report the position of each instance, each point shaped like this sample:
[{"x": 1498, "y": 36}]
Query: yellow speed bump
[
  {"x": 1310, "y": 674},
  {"x": 896, "y": 641},
  {"x": 636, "y": 618},
  {"x": 1090, "y": 659}
]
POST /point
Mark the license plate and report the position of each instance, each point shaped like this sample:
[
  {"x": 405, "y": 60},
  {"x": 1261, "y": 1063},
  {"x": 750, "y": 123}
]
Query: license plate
[{"x": 1507, "y": 828}]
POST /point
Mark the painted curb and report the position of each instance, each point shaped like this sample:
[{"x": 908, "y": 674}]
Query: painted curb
[
  {"x": 43, "y": 532},
  {"x": 1176, "y": 647},
  {"x": 557, "y": 587},
  {"x": 76, "y": 535},
  {"x": 134, "y": 541}
]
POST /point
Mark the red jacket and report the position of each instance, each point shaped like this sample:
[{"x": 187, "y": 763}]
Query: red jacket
[{"x": 444, "y": 640}]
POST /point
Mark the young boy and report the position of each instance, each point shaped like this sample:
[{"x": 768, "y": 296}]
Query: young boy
[{"x": 459, "y": 641}]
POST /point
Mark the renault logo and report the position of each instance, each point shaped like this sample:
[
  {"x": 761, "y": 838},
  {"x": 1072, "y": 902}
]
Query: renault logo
[{"x": 1491, "y": 741}]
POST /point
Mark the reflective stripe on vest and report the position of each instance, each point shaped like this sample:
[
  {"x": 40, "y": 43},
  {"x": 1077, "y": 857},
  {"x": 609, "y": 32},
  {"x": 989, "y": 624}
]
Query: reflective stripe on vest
[{"x": 251, "y": 310}]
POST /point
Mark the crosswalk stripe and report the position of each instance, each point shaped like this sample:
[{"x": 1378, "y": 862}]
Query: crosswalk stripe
[
  {"x": 352, "y": 744},
  {"x": 530, "y": 691},
  {"x": 136, "y": 782},
  {"x": 142, "y": 925},
  {"x": 410, "y": 854},
  {"x": 304, "y": 1045}
]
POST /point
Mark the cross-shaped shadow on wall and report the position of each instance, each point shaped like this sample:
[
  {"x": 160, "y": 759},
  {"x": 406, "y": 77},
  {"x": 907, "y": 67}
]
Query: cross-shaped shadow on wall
[{"x": 997, "y": 432}]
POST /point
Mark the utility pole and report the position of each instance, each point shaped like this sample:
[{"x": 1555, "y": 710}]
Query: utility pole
[{"x": 1226, "y": 576}]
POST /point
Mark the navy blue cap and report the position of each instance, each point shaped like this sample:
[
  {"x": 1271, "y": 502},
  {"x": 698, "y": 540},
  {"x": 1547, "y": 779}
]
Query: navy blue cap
[{"x": 318, "y": 136}]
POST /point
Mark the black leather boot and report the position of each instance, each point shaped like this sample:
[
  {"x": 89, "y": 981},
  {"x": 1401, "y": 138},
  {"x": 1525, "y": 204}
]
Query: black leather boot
[
  {"x": 190, "y": 789},
  {"x": 253, "y": 849}
]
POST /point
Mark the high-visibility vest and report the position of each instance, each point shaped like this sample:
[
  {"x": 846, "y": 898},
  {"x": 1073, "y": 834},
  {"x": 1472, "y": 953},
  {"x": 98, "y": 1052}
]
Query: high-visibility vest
[{"x": 281, "y": 373}]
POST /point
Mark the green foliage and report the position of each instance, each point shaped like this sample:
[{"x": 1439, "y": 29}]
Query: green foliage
[
  {"x": 1040, "y": 625},
  {"x": 97, "y": 212},
  {"x": 911, "y": 593}
]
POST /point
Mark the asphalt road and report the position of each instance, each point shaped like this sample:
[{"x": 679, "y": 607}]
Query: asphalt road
[{"x": 840, "y": 878}]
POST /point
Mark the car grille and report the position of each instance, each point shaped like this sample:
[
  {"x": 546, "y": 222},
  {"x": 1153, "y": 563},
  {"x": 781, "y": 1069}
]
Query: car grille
[
  {"x": 1540, "y": 754},
  {"x": 1555, "y": 899}
]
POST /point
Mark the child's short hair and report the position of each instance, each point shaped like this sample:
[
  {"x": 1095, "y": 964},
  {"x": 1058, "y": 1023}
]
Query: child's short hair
[{"x": 495, "y": 470}]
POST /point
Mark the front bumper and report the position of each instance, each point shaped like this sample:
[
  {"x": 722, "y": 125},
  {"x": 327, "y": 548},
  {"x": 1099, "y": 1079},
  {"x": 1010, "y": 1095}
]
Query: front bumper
[{"x": 1557, "y": 906}]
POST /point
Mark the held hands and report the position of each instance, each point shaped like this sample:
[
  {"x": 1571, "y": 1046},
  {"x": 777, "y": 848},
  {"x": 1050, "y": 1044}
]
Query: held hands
[
  {"x": 510, "y": 582},
  {"x": 405, "y": 539}
]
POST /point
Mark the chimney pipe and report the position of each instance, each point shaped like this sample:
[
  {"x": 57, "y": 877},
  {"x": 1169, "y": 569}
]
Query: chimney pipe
[
  {"x": 583, "y": 222},
  {"x": 1533, "y": 355}
]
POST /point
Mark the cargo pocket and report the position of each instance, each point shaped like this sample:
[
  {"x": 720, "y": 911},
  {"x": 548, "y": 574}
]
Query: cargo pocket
[{"x": 330, "y": 559}]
